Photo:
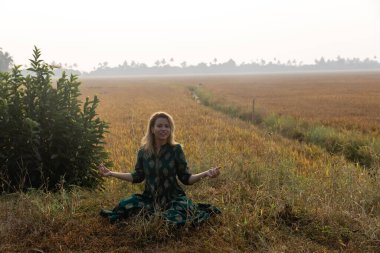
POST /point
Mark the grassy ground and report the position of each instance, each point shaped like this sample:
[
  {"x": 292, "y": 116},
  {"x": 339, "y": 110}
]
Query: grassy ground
[
  {"x": 356, "y": 146},
  {"x": 276, "y": 195}
]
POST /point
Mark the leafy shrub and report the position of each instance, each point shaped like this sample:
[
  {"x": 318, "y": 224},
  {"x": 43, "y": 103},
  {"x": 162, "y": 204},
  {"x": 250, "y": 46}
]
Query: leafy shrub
[{"x": 48, "y": 138}]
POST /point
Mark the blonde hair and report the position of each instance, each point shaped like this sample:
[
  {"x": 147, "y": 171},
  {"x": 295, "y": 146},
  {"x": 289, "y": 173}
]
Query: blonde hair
[{"x": 148, "y": 140}]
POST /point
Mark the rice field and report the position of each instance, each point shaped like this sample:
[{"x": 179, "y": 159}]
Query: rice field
[
  {"x": 342, "y": 100},
  {"x": 276, "y": 195}
]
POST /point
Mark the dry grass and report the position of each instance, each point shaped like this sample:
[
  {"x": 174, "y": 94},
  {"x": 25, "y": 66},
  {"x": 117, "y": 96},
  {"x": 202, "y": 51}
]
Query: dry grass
[
  {"x": 276, "y": 195},
  {"x": 350, "y": 100}
]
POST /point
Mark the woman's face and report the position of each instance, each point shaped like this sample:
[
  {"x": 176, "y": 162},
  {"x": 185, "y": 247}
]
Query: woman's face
[{"x": 161, "y": 129}]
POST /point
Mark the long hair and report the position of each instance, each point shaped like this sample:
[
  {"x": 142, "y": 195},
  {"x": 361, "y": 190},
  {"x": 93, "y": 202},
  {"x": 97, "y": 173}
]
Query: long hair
[{"x": 148, "y": 140}]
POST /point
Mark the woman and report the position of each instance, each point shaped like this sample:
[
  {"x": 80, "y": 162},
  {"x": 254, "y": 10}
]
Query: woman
[{"x": 160, "y": 161}]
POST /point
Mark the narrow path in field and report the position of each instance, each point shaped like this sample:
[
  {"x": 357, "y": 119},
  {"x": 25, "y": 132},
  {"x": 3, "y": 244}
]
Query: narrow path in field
[{"x": 356, "y": 147}]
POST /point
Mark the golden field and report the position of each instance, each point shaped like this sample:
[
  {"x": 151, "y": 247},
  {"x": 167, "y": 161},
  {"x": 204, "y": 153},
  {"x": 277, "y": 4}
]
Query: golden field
[
  {"x": 276, "y": 195},
  {"x": 349, "y": 100}
]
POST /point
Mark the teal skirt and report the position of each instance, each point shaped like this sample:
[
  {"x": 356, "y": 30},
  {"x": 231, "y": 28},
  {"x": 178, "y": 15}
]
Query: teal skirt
[{"x": 179, "y": 211}]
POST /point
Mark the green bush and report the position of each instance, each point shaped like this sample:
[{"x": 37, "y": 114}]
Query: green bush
[{"x": 48, "y": 137}]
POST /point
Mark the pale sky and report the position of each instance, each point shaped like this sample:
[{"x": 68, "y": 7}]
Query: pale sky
[{"x": 89, "y": 32}]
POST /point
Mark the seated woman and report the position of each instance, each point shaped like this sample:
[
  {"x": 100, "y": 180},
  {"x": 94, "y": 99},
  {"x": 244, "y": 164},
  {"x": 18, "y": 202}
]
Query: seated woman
[{"x": 160, "y": 161}]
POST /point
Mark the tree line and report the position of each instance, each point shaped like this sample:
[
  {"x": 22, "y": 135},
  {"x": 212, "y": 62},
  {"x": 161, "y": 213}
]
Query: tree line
[
  {"x": 167, "y": 67},
  {"x": 230, "y": 66}
]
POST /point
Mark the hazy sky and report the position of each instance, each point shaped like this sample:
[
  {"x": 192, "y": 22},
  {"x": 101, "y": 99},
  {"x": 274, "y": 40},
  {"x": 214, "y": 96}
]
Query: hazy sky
[{"x": 89, "y": 32}]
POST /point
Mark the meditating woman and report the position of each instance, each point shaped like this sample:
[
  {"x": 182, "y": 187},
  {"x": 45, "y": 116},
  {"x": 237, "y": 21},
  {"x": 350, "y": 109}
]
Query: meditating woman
[{"x": 160, "y": 161}]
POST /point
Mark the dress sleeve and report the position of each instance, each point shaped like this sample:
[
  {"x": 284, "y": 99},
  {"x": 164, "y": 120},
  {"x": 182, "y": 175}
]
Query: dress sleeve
[
  {"x": 182, "y": 170},
  {"x": 138, "y": 175}
]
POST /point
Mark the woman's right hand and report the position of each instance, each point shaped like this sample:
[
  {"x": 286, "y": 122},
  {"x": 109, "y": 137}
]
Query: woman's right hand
[
  {"x": 213, "y": 172},
  {"x": 104, "y": 171}
]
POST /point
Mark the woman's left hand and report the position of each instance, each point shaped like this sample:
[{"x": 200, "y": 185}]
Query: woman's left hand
[{"x": 213, "y": 172}]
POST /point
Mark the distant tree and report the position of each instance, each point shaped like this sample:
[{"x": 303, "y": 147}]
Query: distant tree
[
  {"x": 183, "y": 64},
  {"x": 157, "y": 63},
  {"x": 202, "y": 65},
  {"x": 5, "y": 61},
  {"x": 320, "y": 61},
  {"x": 102, "y": 65},
  {"x": 124, "y": 66},
  {"x": 230, "y": 63},
  {"x": 340, "y": 60}
]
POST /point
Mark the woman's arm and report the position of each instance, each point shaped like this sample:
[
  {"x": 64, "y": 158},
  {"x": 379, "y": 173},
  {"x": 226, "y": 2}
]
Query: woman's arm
[
  {"x": 105, "y": 172},
  {"x": 213, "y": 172}
]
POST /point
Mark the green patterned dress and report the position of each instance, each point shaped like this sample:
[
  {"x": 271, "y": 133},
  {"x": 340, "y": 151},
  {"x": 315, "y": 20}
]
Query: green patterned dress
[{"x": 162, "y": 191}]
